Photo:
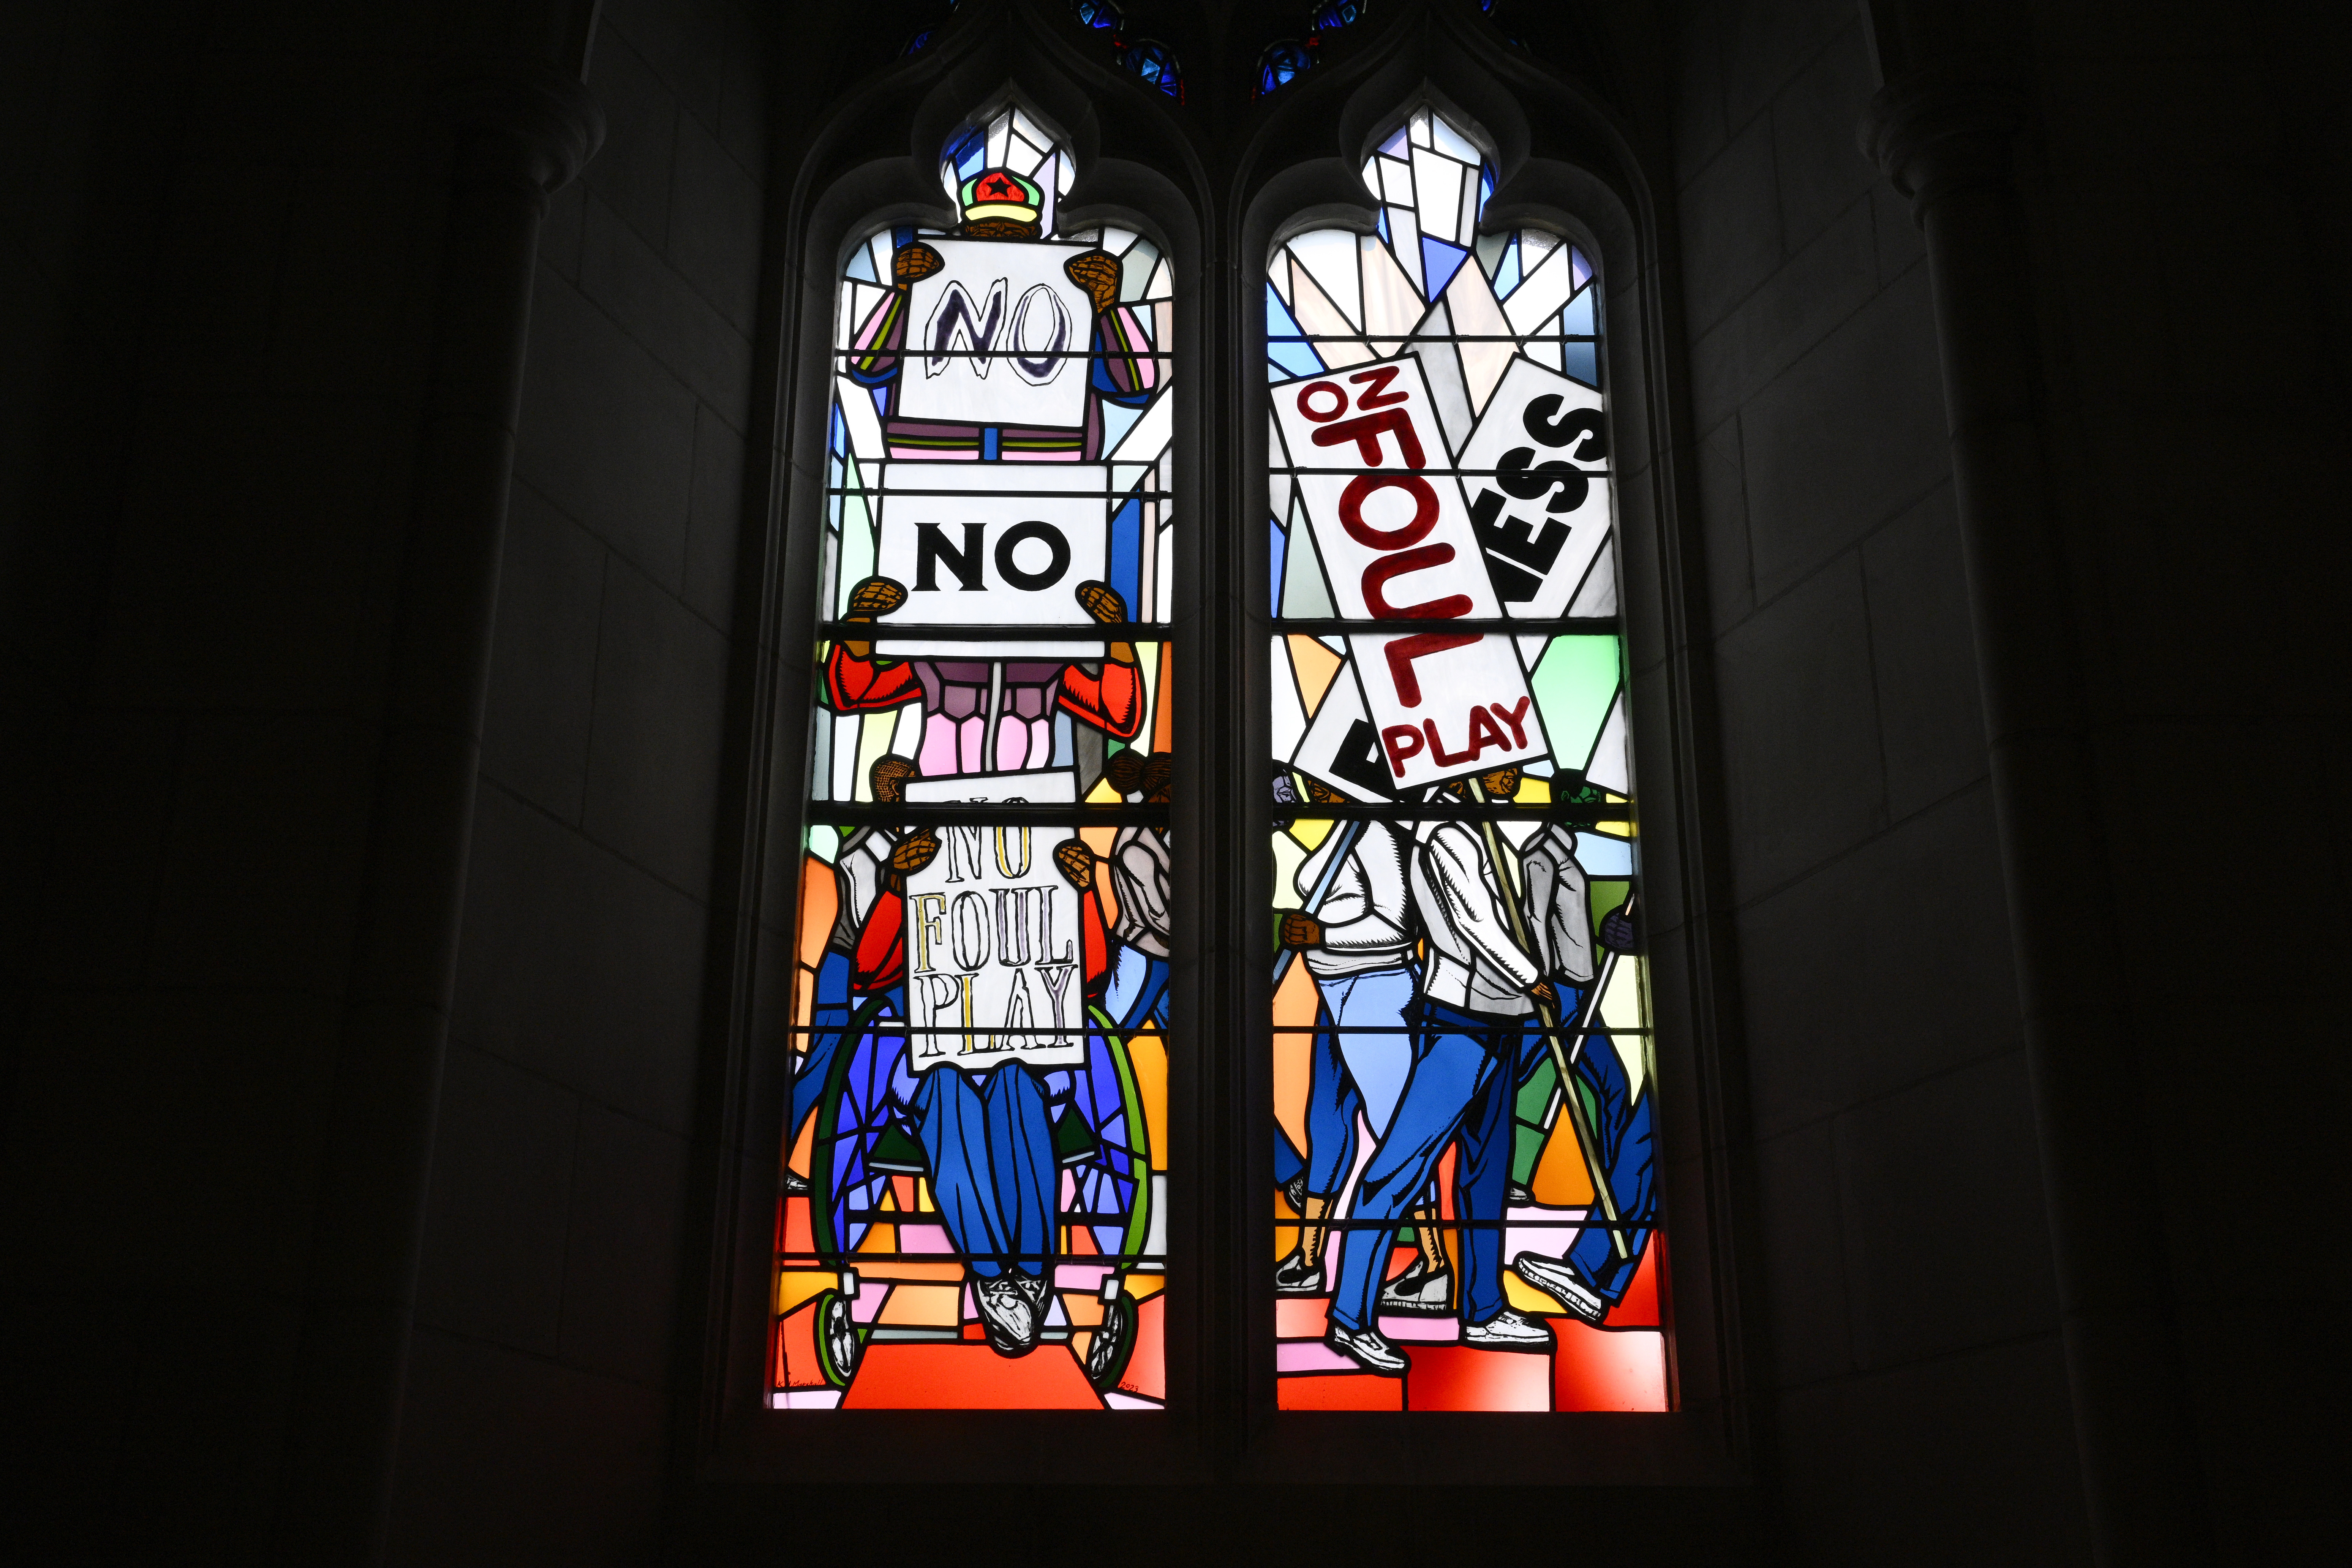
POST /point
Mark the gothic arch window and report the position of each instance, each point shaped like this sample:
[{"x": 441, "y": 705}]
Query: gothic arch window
[
  {"x": 974, "y": 1210},
  {"x": 1101, "y": 1133},
  {"x": 1460, "y": 1040}
]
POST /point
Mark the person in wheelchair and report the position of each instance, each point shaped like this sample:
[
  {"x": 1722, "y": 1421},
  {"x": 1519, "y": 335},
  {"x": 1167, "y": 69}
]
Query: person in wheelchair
[{"x": 992, "y": 1142}]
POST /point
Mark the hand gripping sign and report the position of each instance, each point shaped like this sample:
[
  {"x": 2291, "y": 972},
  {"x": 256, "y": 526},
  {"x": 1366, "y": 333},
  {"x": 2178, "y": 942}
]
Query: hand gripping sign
[
  {"x": 993, "y": 953},
  {"x": 1399, "y": 546},
  {"x": 1535, "y": 470}
]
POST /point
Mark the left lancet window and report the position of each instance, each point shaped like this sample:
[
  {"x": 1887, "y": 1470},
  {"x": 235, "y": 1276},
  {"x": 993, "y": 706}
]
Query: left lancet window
[{"x": 975, "y": 1193}]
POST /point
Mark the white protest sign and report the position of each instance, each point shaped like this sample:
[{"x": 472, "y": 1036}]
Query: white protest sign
[
  {"x": 1543, "y": 514},
  {"x": 990, "y": 545},
  {"x": 1045, "y": 786},
  {"x": 1341, "y": 747},
  {"x": 994, "y": 953},
  {"x": 1000, "y": 335},
  {"x": 1399, "y": 547}
]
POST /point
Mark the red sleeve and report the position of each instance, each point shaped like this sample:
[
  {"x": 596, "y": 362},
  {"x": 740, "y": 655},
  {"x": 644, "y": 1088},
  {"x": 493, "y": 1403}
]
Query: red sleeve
[
  {"x": 1098, "y": 944},
  {"x": 1111, "y": 701},
  {"x": 881, "y": 958},
  {"x": 854, "y": 685}
]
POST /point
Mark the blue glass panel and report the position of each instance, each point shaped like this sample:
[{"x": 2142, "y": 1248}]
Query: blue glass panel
[{"x": 1440, "y": 260}]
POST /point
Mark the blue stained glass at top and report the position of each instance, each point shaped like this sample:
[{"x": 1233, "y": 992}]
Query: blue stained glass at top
[
  {"x": 1292, "y": 358},
  {"x": 1580, "y": 362},
  {"x": 1277, "y": 546},
  {"x": 1099, "y": 14},
  {"x": 1576, "y": 320}
]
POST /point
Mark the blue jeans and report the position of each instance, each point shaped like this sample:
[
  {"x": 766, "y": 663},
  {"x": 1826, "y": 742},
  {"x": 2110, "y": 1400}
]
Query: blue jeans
[
  {"x": 990, "y": 1143},
  {"x": 1463, "y": 1074},
  {"x": 1350, "y": 1070},
  {"x": 1621, "y": 1124},
  {"x": 1139, "y": 989},
  {"x": 828, "y": 1020}
]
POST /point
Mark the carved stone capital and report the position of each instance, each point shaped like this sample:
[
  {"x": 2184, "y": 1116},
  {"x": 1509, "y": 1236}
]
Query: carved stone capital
[
  {"x": 528, "y": 123},
  {"x": 1932, "y": 134}
]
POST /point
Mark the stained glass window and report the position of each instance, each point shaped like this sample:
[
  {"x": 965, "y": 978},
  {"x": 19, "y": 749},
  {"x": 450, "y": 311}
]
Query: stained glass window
[
  {"x": 976, "y": 1188},
  {"x": 1463, "y": 1092}
]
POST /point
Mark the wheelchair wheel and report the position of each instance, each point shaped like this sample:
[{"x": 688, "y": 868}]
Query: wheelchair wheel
[
  {"x": 853, "y": 1157},
  {"x": 839, "y": 1343},
  {"x": 1113, "y": 1182},
  {"x": 844, "y": 1187},
  {"x": 1113, "y": 1343}
]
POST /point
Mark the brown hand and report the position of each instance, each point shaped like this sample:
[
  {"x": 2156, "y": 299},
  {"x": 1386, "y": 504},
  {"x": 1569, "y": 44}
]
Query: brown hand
[
  {"x": 1105, "y": 603},
  {"x": 1301, "y": 930},
  {"x": 1543, "y": 993},
  {"x": 874, "y": 596},
  {"x": 1075, "y": 861},
  {"x": 910, "y": 262},
  {"x": 1096, "y": 272},
  {"x": 915, "y": 851}
]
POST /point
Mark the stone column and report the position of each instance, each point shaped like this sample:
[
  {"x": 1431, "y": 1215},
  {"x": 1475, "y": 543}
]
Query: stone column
[
  {"x": 1945, "y": 143},
  {"x": 522, "y": 135}
]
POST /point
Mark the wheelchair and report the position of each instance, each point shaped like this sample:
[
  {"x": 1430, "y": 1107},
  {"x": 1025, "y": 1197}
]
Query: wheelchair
[{"x": 864, "y": 1164}]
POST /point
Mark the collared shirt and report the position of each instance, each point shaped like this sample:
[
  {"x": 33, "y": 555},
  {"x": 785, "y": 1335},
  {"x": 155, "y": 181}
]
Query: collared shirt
[
  {"x": 858, "y": 872},
  {"x": 1559, "y": 910},
  {"x": 1365, "y": 916},
  {"x": 1473, "y": 961},
  {"x": 1139, "y": 874}
]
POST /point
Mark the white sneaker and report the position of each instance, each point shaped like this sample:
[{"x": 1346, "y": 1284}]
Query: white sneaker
[
  {"x": 1508, "y": 1330},
  {"x": 1369, "y": 1349},
  {"x": 1554, "y": 1277},
  {"x": 1006, "y": 1314}
]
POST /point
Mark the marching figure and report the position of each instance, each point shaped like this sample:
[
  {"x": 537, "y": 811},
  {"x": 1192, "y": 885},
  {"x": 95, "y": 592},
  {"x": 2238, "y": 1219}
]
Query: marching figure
[
  {"x": 1475, "y": 1011},
  {"x": 1140, "y": 876},
  {"x": 1356, "y": 946},
  {"x": 861, "y": 870},
  {"x": 1593, "y": 1275}
]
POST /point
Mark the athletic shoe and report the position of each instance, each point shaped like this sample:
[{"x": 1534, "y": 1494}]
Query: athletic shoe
[
  {"x": 1006, "y": 1314},
  {"x": 1419, "y": 1293},
  {"x": 1369, "y": 1349},
  {"x": 1555, "y": 1278},
  {"x": 1508, "y": 1330},
  {"x": 795, "y": 1185},
  {"x": 1293, "y": 1277}
]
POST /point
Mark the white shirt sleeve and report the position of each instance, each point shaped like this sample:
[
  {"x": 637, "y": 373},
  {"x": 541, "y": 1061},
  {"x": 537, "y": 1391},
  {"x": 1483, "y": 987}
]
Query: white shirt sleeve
[{"x": 1457, "y": 873}]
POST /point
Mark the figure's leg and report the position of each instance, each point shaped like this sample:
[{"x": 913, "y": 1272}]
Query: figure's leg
[
  {"x": 1149, "y": 1004},
  {"x": 828, "y": 1019},
  {"x": 1374, "y": 1040},
  {"x": 951, "y": 1121},
  {"x": 1128, "y": 970},
  {"x": 1027, "y": 1179},
  {"x": 939, "y": 740},
  {"x": 1331, "y": 1107},
  {"x": 1624, "y": 1128},
  {"x": 1482, "y": 1178},
  {"x": 1447, "y": 1077}
]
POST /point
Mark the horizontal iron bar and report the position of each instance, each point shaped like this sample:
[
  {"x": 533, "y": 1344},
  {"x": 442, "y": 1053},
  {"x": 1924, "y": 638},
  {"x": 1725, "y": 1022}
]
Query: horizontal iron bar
[
  {"x": 1560, "y": 625},
  {"x": 1092, "y": 631},
  {"x": 990, "y": 813}
]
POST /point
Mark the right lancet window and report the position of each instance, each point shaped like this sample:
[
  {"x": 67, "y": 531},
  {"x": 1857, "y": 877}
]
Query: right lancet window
[{"x": 1462, "y": 1086}]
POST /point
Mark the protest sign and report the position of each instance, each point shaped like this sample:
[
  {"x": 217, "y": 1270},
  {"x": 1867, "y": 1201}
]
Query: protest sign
[
  {"x": 1535, "y": 470},
  {"x": 993, "y": 953},
  {"x": 1397, "y": 543},
  {"x": 999, "y": 336},
  {"x": 988, "y": 544}
]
